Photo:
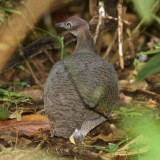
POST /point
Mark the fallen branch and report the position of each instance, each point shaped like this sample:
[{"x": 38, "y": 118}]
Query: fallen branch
[{"x": 29, "y": 125}]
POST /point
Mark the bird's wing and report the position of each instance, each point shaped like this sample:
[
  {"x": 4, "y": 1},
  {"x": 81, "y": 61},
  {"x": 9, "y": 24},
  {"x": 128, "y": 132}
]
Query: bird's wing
[{"x": 98, "y": 86}]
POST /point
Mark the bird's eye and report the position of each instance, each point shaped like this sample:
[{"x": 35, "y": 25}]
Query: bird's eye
[{"x": 69, "y": 25}]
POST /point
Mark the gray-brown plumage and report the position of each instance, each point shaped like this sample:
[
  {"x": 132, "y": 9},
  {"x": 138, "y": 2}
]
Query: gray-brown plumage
[{"x": 82, "y": 89}]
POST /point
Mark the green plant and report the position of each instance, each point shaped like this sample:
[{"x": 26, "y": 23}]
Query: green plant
[
  {"x": 152, "y": 67},
  {"x": 4, "y": 11},
  {"x": 111, "y": 147},
  {"x": 128, "y": 112},
  {"x": 4, "y": 114},
  {"x": 12, "y": 97},
  {"x": 144, "y": 9},
  {"x": 11, "y": 10}
]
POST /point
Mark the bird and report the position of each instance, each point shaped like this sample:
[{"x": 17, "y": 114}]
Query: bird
[{"x": 82, "y": 89}]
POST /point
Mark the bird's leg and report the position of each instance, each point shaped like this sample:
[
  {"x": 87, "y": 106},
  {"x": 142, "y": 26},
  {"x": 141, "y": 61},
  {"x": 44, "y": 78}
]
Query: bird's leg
[{"x": 88, "y": 125}]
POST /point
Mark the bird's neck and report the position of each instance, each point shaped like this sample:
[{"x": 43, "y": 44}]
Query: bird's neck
[{"x": 85, "y": 43}]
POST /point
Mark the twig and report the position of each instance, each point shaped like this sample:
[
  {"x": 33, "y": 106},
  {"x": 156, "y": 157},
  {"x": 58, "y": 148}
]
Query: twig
[
  {"x": 135, "y": 33},
  {"x": 100, "y": 20},
  {"x": 33, "y": 74},
  {"x": 48, "y": 53},
  {"x": 39, "y": 146},
  {"x": 120, "y": 33},
  {"x": 110, "y": 46},
  {"x": 116, "y": 19},
  {"x": 39, "y": 70},
  {"x": 130, "y": 42},
  {"x": 153, "y": 94}
]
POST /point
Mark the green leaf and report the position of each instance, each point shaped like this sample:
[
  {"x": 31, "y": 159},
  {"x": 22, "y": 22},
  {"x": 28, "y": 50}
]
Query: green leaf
[
  {"x": 11, "y": 10},
  {"x": 12, "y": 97},
  {"x": 156, "y": 51},
  {"x": 4, "y": 92},
  {"x": 20, "y": 67},
  {"x": 130, "y": 112},
  {"x": 143, "y": 7},
  {"x": 135, "y": 114},
  {"x": 157, "y": 85},
  {"x": 124, "y": 109},
  {"x": 15, "y": 83},
  {"x": 11, "y": 94},
  {"x": 101, "y": 148},
  {"x": 136, "y": 62},
  {"x": 4, "y": 114},
  {"x": 152, "y": 67},
  {"x": 112, "y": 147},
  {"x": 122, "y": 141},
  {"x": 157, "y": 46}
]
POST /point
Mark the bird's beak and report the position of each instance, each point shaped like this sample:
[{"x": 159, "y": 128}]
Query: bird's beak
[
  {"x": 61, "y": 24},
  {"x": 71, "y": 138}
]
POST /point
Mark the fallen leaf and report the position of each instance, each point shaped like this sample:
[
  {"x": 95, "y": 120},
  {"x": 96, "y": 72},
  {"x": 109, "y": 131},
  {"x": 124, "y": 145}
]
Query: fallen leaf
[
  {"x": 115, "y": 135},
  {"x": 152, "y": 104},
  {"x": 35, "y": 94},
  {"x": 132, "y": 85},
  {"x": 124, "y": 100}
]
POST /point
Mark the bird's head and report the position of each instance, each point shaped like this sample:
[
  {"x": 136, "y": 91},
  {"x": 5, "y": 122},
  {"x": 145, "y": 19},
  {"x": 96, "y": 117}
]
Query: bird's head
[
  {"x": 77, "y": 137},
  {"x": 74, "y": 24}
]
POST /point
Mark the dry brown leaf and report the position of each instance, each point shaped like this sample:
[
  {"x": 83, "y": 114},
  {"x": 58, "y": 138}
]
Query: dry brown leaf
[
  {"x": 132, "y": 85},
  {"x": 152, "y": 104},
  {"x": 115, "y": 135},
  {"x": 130, "y": 17},
  {"x": 23, "y": 142},
  {"x": 154, "y": 78},
  {"x": 124, "y": 100},
  {"x": 35, "y": 94},
  {"x": 17, "y": 114}
]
